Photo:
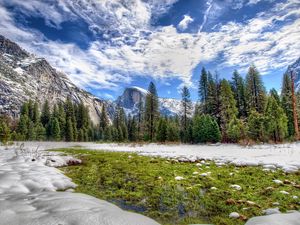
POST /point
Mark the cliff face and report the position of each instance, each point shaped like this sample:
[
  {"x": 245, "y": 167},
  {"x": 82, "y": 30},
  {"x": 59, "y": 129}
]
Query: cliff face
[
  {"x": 24, "y": 76},
  {"x": 133, "y": 96}
]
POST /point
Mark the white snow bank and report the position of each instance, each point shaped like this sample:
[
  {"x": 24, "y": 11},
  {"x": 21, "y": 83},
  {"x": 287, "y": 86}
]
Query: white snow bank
[
  {"x": 285, "y": 156},
  {"x": 276, "y": 219},
  {"x": 65, "y": 208},
  {"x": 28, "y": 194}
]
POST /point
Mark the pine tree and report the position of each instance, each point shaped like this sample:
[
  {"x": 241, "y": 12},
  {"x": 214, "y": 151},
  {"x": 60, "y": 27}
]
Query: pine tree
[
  {"x": 35, "y": 114},
  {"x": 40, "y": 132},
  {"x": 203, "y": 89},
  {"x": 161, "y": 135},
  {"x": 45, "y": 115},
  {"x": 23, "y": 127},
  {"x": 255, "y": 90},
  {"x": 205, "y": 129},
  {"x": 151, "y": 111},
  {"x": 238, "y": 88},
  {"x": 107, "y": 134},
  {"x": 70, "y": 109},
  {"x": 228, "y": 107},
  {"x": 104, "y": 121},
  {"x": 256, "y": 126},
  {"x": 31, "y": 135},
  {"x": 276, "y": 120},
  {"x": 236, "y": 130},
  {"x": 5, "y": 133},
  {"x": 62, "y": 119},
  {"x": 55, "y": 129},
  {"x": 275, "y": 95},
  {"x": 286, "y": 102},
  {"x": 69, "y": 130},
  {"x": 213, "y": 97},
  {"x": 172, "y": 131},
  {"x": 186, "y": 105}
]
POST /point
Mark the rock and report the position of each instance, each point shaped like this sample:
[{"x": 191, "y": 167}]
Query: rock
[
  {"x": 287, "y": 182},
  {"x": 179, "y": 178},
  {"x": 277, "y": 181},
  {"x": 271, "y": 211},
  {"x": 236, "y": 187},
  {"x": 195, "y": 173},
  {"x": 234, "y": 215},
  {"x": 295, "y": 197},
  {"x": 284, "y": 192},
  {"x": 276, "y": 219},
  {"x": 275, "y": 203},
  {"x": 213, "y": 188}
]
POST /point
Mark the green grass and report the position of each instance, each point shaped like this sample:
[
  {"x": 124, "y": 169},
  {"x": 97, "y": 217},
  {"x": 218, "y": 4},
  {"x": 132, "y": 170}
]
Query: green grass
[{"x": 148, "y": 186}]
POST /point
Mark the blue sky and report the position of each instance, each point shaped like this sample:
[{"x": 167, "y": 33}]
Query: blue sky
[{"x": 106, "y": 45}]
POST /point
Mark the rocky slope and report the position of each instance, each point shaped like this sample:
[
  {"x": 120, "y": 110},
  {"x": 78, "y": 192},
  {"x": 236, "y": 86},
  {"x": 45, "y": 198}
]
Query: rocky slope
[
  {"x": 133, "y": 96},
  {"x": 24, "y": 76},
  {"x": 295, "y": 68}
]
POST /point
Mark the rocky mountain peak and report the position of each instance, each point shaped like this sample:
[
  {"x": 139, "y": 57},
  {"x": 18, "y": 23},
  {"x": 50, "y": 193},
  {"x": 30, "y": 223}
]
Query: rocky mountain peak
[{"x": 24, "y": 76}]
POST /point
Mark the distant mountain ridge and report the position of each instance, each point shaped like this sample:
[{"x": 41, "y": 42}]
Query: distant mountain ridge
[
  {"x": 24, "y": 76},
  {"x": 133, "y": 96}
]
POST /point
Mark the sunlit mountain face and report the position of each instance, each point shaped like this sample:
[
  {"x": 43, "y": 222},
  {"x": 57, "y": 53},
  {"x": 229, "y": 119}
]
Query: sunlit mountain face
[{"x": 107, "y": 45}]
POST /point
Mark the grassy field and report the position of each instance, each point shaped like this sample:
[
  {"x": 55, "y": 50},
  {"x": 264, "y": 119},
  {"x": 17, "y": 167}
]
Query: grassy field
[{"x": 174, "y": 192}]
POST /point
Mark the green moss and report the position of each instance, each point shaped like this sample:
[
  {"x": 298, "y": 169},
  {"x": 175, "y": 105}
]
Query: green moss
[{"x": 148, "y": 186}]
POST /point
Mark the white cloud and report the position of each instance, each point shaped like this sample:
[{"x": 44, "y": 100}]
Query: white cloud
[
  {"x": 184, "y": 23},
  {"x": 161, "y": 53}
]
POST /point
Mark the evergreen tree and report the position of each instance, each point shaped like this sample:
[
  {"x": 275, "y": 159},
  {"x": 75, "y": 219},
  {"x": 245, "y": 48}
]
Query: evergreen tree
[
  {"x": 256, "y": 94},
  {"x": 213, "y": 103},
  {"x": 31, "y": 135},
  {"x": 236, "y": 130},
  {"x": 23, "y": 127},
  {"x": 45, "y": 115},
  {"x": 256, "y": 126},
  {"x": 107, "y": 134},
  {"x": 172, "y": 131},
  {"x": 205, "y": 129},
  {"x": 104, "y": 121},
  {"x": 276, "y": 120},
  {"x": 5, "y": 133},
  {"x": 275, "y": 95},
  {"x": 62, "y": 119},
  {"x": 151, "y": 111},
  {"x": 203, "y": 88},
  {"x": 40, "y": 132},
  {"x": 69, "y": 130},
  {"x": 161, "y": 135},
  {"x": 70, "y": 110},
  {"x": 238, "y": 88},
  {"x": 55, "y": 129},
  {"x": 186, "y": 105},
  {"x": 228, "y": 107},
  {"x": 287, "y": 104},
  {"x": 35, "y": 113}
]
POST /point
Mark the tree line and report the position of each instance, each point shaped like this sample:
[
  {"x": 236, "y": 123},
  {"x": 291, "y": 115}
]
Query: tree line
[{"x": 229, "y": 111}]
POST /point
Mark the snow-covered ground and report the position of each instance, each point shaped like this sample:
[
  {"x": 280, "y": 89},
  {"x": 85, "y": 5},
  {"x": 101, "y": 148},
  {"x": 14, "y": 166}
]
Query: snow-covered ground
[
  {"x": 285, "y": 156},
  {"x": 28, "y": 194},
  {"x": 28, "y": 188}
]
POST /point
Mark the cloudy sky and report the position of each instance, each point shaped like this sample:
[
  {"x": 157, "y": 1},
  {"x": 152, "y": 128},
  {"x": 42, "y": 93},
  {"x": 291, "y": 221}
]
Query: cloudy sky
[{"x": 106, "y": 45}]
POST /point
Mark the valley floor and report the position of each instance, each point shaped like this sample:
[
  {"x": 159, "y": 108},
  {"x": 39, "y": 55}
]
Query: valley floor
[{"x": 28, "y": 189}]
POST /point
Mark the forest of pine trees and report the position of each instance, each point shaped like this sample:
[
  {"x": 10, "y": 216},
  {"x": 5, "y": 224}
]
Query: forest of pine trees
[{"x": 235, "y": 111}]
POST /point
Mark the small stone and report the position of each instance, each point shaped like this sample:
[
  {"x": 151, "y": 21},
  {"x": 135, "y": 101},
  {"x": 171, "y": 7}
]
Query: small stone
[
  {"x": 271, "y": 211},
  {"x": 284, "y": 192},
  {"x": 213, "y": 188},
  {"x": 234, "y": 215},
  {"x": 277, "y": 181},
  {"x": 287, "y": 182},
  {"x": 179, "y": 178},
  {"x": 236, "y": 187},
  {"x": 195, "y": 173},
  {"x": 295, "y": 197},
  {"x": 275, "y": 203}
]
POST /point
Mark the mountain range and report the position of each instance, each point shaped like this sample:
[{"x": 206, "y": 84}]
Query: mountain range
[{"x": 24, "y": 76}]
